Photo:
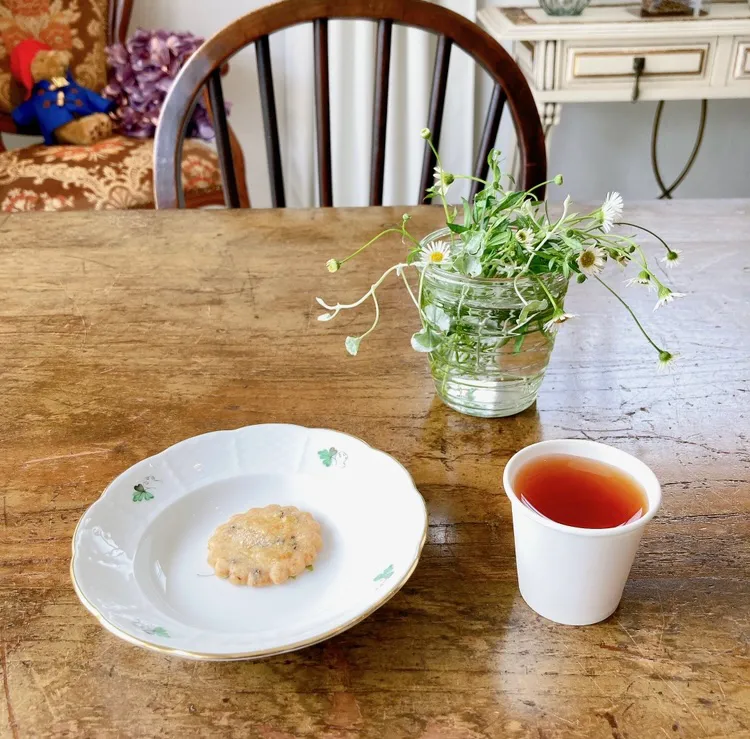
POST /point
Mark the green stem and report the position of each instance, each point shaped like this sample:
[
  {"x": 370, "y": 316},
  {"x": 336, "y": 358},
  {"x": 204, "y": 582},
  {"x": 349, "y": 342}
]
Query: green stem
[
  {"x": 630, "y": 310},
  {"x": 469, "y": 177},
  {"x": 409, "y": 290},
  {"x": 370, "y": 242},
  {"x": 440, "y": 166},
  {"x": 648, "y": 231},
  {"x": 339, "y": 306},
  {"x": 377, "y": 318},
  {"x": 552, "y": 301}
]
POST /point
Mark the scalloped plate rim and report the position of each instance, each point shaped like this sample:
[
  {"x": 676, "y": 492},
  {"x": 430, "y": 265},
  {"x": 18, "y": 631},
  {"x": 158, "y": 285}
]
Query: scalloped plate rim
[{"x": 256, "y": 654}]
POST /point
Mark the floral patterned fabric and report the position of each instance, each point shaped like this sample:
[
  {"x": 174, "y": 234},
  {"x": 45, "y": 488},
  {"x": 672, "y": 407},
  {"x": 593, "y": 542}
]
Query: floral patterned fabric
[
  {"x": 78, "y": 26},
  {"x": 116, "y": 173}
]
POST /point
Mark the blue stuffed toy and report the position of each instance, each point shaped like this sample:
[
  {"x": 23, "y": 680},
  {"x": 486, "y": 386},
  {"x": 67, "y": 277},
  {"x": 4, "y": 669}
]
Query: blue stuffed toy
[{"x": 64, "y": 111}]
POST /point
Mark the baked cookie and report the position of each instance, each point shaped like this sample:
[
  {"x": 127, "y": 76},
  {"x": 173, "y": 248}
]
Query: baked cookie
[{"x": 265, "y": 546}]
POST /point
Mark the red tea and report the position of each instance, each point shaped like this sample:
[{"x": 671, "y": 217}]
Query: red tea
[{"x": 582, "y": 492}]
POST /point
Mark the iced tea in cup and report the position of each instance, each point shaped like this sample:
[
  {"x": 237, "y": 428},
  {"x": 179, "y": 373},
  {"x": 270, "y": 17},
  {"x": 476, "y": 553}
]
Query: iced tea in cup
[{"x": 579, "y": 509}]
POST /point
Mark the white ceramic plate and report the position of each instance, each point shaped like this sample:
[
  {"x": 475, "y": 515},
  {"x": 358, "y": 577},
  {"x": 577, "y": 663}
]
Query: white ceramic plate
[{"x": 139, "y": 553}]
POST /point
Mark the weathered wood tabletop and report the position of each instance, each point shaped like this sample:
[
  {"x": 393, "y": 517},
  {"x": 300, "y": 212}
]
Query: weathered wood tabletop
[{"x": 123, "y": 333}]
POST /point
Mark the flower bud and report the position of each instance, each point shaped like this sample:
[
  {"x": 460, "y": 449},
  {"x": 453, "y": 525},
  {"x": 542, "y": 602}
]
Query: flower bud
[
  {"x": 558, "y": 179},
  {"x": 425, "y": 133},
  {"x": 333, "y": 265}
]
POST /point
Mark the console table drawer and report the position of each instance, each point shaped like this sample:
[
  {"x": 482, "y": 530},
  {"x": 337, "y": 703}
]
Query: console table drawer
[
  {"x": 584, "y": 65},
  {"x": 742, "y": 60}
]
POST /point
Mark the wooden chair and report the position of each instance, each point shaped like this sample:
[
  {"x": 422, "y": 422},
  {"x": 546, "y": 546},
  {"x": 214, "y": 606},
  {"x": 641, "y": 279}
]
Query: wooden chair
[
  {"x": 113, "y": 173},
  {"x": 255, "y": 28}
]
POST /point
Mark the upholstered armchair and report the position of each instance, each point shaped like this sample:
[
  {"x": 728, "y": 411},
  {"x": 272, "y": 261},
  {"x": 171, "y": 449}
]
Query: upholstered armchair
[{"x": 114, "y": 173}]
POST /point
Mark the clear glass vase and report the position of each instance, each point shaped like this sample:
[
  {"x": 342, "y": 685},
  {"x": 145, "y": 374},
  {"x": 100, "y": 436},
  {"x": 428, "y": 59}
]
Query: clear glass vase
[{"x": 484, "y": 364}]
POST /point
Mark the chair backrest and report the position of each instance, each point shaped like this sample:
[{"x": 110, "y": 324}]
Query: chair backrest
[{"x": 204, "y": 68}]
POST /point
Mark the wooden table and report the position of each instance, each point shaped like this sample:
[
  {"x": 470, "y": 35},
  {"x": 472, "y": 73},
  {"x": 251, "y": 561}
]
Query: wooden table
[{"x": 123, "y": 333}]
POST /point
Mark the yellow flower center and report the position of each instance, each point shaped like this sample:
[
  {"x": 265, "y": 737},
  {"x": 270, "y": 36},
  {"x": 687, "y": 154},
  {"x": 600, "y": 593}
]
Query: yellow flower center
[
  {"x": 588, "y": 259},
  {"x": 436, "y": 256}
]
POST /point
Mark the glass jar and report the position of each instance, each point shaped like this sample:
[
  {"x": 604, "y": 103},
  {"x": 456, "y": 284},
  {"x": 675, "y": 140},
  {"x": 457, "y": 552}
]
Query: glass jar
[{"x": 484, "y": 364}]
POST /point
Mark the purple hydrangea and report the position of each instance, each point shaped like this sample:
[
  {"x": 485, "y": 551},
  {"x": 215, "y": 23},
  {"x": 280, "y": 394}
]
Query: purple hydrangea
[{"x": 141, "y": 73}]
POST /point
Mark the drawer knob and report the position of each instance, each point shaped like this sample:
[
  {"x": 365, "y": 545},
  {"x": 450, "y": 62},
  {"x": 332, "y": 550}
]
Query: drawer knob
[{"x": 639, "y": 64}]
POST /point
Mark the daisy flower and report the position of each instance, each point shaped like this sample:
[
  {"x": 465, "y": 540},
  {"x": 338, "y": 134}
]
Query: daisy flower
[
  {"x": 672, "y": 258},
  {"x": 643, "y": 278},
  {"x": 665, "y": 295},
  {"x": 443, "y": 180},
  {"x": 558, "y": 317},
  {"x": 611, "y": 210},
  {"x": 666, "y": 360},
  {"x": 438, "y": 252},
  {"x": 591, "y": 260},
  {"x": 524, "y": 236}
]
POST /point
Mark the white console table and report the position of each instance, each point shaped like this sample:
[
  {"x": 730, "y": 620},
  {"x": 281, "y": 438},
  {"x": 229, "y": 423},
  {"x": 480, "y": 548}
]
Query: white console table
[{"x": 594, "y": 57}]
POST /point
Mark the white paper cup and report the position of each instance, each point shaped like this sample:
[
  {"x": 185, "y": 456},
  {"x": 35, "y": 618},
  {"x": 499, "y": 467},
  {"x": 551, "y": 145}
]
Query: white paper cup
[{"x": 568, "y": 574}]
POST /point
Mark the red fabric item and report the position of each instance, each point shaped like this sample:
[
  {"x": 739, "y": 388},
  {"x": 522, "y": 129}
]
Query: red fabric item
[{"x": 20, "y": 61}]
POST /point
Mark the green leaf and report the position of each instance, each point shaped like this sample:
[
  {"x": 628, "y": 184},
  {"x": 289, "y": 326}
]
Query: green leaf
[
  {"x": 438, "y": 317},
  {"x": 511, "y": 200},
  {"x": 533, "y": 306},
  {"x": 467, "y": 212},
  {"x": 425, "y": 340},
  {"x": 327, "y": 456},
  {"x": 140, "y": 493},
  {"x": 474, "y": 244},
  {"x": 352, "y": 344},
  {"x": 473, "y": 266},
  {"x": 457, "y": 228},
  {"x": 385, "y": 574}
]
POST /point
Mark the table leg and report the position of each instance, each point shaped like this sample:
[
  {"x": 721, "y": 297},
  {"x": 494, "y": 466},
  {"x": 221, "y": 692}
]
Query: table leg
[{"x": 550, "y": 116}]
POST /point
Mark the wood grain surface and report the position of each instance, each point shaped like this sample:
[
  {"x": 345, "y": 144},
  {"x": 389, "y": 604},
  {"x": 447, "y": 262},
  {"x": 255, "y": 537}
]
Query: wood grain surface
[{"x": 125, "y": 332}]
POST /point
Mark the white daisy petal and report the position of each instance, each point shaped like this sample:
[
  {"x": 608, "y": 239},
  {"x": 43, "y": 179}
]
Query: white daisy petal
[
  {"x": 591, "y": 260},
  {"x": 559, "y": 317},
  {"x": 437, "y": 252},
  {"x": 667, "y": 296},
  {"x": 524, "y": 236},
  {"x": 672, "y": 258},
  {"x": 611, "y": 210}
]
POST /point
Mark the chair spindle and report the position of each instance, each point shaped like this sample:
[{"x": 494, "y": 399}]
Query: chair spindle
[
  {"x": 223, "y": 146},
  {"x": 323, "y": 112},
  {"x": 380, "y": 110},
  {"x": 437, "y": 105},
  {"x": 270, "y": 121}
]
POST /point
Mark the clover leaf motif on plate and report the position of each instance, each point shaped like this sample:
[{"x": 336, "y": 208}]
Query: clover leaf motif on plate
[
  {"x": 333, "y": 457},
  {"x": 152, "y": 630},
  {"x": 386, "y": 574},
  {"x": 141, "y": 493}
]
